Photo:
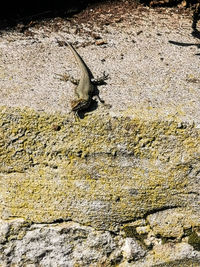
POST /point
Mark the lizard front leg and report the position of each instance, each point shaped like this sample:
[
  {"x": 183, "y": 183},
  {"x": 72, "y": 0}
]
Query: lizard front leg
[{"x": 100, "y": 80}]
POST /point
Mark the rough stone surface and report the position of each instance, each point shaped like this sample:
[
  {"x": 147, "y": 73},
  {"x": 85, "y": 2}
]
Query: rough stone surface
[
  {"x": 120, "y": 187},
  {"x": 70, "y": 244},
  {"x": 172, "y": 223},
  {"x": 105, "y": 172},
  {"x": 132, "y": 250},
  {"x": 64, "y": 244},
  {"x": 101, "y": 171}
]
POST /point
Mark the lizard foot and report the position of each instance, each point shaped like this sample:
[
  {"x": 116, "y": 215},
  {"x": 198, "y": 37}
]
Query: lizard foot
[
  {"x": 100, "y": 80},
  {"x": 63, "y": 77}
]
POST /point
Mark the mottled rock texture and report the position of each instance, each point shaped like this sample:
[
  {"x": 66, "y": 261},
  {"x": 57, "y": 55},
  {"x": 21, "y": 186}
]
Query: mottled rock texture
[
  {"x": 119, "y": 187},
  {"x": 101, "y": 171},
  {"x": 131, "y": 185}
]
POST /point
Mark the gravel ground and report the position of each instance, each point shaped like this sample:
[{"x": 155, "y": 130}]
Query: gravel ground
[{"x": 151, "y": 56}]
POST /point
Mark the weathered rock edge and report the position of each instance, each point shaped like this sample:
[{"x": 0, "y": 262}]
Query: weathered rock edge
[
  {"x": 70, "y": 244},
  {"x": 135, "y": 179}
]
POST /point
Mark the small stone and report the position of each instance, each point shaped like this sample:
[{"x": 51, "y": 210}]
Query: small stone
[
  {"x": 101, "y": 42},
  {"x": 96, "y": 36},
  {"x": 132, "y": 250},
  {"x": 117, "y": 20},
  {"x": 143, "y": 230}
]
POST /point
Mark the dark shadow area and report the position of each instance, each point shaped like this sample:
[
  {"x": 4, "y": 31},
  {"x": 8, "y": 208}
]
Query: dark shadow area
[
  {"x": 184, "y": 44},
  {"x": 13, "y": 13},
  {"x": 195, "y": 32},
  {"x": 93, "y": 106},
  {"x": 160, "y": 3},
  {"x": 167, "y": 3},
  {"x": 27, "y": 12},
  {"x": 196, "y": 18}
]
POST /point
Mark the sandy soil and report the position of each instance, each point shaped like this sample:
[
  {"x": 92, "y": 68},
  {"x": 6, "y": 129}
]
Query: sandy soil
[{"x": 151, "y": 56}]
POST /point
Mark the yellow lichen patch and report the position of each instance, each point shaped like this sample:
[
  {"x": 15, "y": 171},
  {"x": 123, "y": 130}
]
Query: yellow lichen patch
[{"x": 101, "y": 171}]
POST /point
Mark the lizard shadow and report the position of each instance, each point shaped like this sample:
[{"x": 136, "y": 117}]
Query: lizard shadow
[
  {"x": 93, "y": 106},
  {"x": 195, "y": 32},
  {"x": 94, "y": 102}
]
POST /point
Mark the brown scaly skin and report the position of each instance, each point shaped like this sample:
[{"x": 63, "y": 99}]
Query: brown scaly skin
[
  {"x": 79, "y": 104},
  {"x": 85, "y": 86}
]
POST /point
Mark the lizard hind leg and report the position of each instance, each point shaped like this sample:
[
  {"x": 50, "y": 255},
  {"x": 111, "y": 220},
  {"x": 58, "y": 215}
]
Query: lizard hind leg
[
  {"x": 80, "y": 104},
  {"x": 66, "y": 77}
]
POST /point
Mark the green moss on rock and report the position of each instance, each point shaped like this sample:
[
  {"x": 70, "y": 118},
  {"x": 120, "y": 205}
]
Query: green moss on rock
[{"x": 194, "y": 240}]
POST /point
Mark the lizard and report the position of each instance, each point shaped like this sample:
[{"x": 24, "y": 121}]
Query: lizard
[{"x": 85, "y": 86}]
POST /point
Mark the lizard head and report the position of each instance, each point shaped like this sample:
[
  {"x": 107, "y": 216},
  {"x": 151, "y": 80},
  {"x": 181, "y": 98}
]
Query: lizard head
[{"x": 79, "y": 104}]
